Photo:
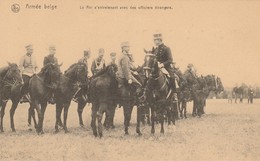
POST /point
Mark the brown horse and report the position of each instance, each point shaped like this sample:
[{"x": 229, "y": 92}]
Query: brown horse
[
  {"x": 103, "y": 89},
  {"x": 10, "y": 78},
  {"x": 68, "y": 85},
  {"x": 39, "y": 90},
  {"x": 157, "y": 91}
]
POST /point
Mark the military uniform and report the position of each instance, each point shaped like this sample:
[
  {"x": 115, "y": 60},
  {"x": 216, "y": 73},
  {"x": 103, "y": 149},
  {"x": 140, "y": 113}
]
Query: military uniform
[
  {"x": 97, "y": 65},
  {"x": 164, "y": 56},
  {"x": 50, "y": 59},
  {"x": 28, "y": 68}
]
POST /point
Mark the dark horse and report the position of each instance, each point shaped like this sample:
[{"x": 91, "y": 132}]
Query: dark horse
[
  {"x": 157, "y": 91},
  {"x": 40, "y": 91},
  {"x": 10, "y": 78},
  {"x": 103, "y": 88},
  {"x": 68, "y": 85}
]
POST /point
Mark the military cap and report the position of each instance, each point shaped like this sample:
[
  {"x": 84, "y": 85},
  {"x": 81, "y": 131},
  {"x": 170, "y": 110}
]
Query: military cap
[
  {"x": 190, "y": 65},
  {"x": 124, "y": 44},
  {"x": 52, "y": 47},
  {"x": 157, "y": 36},
  {"x": 113, "y": 54},
  {"x": 29, "y": 46},
  {"x": 86, "y": 52}
]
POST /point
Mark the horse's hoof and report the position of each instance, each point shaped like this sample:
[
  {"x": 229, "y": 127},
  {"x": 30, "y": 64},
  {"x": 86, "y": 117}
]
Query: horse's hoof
[
  {"x": 113, "y": 127},
  {"x": 2, "y": 131},
  {"x": 66, "y": 131},
  {"x": 13, "y": 130},
  {"x": 162, "y": 132},
  {"x": 100, "y": 135},
  {"x": 126, "y": 133},
  {"x": 56, "y": 131},
  {"x": 40, "y": 133},
  {"x": 81, "y": 125}
]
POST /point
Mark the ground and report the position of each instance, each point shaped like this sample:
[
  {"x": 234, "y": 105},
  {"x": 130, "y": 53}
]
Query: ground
[{"x": 226, "y": 132}]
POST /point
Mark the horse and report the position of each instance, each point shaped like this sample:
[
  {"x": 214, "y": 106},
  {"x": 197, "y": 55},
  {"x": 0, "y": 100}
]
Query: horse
[
  {"x": 199, "y": 94},
  {"x": 157, "y": 91},
  {"x": 40, "y": 91},
  {"x": 10, "y": 77},
  {"x": 103, "y": 89},
  {"x": 68, "y": 85}
]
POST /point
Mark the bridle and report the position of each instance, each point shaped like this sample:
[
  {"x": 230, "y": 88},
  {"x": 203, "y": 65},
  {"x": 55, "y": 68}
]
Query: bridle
[{"x": 6, "y": 82}]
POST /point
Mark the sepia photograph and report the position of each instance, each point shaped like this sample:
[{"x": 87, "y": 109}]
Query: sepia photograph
[{"x": 129, "y": 80}]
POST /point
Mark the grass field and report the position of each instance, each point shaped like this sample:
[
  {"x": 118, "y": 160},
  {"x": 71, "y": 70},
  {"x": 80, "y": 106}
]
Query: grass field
[{"x": 226, "y": 132}]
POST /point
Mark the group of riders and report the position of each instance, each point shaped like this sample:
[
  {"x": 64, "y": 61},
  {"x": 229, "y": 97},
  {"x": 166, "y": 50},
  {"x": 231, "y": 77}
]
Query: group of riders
[{"x": 127, "y": 74}]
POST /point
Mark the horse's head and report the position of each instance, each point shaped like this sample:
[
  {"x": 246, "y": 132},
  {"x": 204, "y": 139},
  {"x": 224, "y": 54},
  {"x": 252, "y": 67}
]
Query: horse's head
[
  {"x": 112, "y": 69},
  {"x": 211, "y": 82},
  {"x": 13, "y": 73},
  {"x": 52, "y": 72},
  {"x": 78, "y": 72},
  {"x": 220, "y": 87},
  {"x": 150, "y": 64}
]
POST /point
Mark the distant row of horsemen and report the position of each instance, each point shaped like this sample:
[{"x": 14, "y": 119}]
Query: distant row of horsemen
[{"x": 157, "y": 88}]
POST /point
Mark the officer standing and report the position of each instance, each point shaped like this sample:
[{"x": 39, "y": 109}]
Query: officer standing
[
  {"x": 164, "y": 57},
  {"x": 28, "y": 67}
]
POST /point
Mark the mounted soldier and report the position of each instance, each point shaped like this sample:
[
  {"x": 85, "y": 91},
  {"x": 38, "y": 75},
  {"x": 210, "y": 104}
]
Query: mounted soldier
[
  {"x": 99, "y": 63},
  {"x": 51, "y": 59},
  {"x": 28, "y": 68},
  {"x": 80, "y": 91},
  {"x": 126, "y": 69},
  {"x": 164, "y": 57}
]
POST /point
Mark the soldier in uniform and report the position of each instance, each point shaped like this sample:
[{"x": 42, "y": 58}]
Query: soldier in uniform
[
  {"x": 250, "y": 93},
  {"x": 51, "y": 59},
  {"x": 82, "y": 91},
  {"x": 124, "y": 73},
  {"x": 28, "y": 67},
  {"x": 164, "y": 57},
  {"x": 99, "y": 63}
]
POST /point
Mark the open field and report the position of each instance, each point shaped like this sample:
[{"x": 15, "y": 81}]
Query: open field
[{"x": 226, "y": 132}]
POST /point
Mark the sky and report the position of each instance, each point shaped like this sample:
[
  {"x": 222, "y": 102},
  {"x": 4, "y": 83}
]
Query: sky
[{"x": 218, "y": 37}]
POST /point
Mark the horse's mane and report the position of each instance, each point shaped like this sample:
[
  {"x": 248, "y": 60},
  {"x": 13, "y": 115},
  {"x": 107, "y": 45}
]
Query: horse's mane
[
  {"x": 3, "y": 70},
  {"x": 102, "y": 71},
  {"x": 71, "y": 67}
]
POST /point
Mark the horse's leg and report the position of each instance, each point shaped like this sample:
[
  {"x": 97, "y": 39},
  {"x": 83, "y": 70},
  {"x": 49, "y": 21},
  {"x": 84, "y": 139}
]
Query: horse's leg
[
  {"x": 162, "y": 122},
  {"x": 93, "y": 118},
  {"x": 112, "y": 114},
  {"x": 66, "y": 109},
  {"x": 184, "y": 107},
  {"x": 169, "y": 114},
  {"x": 127, "y": 116},
  {"x": 81, "y": 106},
  {"x": 139, "y": 118},
  {"x": 148, "y": 115},
  {"x": 12, "y": 111},
  {"x": 35, "y": 105},
  {"x": 102, "y": 109},
  {"x": 43, "y": 109},
  {"x": 32, "y": 115},
  {"x": 153, "y": 114},
  {"x": 181, "y": 109},
  {"x": 2, "y": 109},
  {"x": 58, "y": 115}
]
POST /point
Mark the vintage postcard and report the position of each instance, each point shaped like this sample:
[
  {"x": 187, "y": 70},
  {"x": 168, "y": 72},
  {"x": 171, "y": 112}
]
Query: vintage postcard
[{"x": 129, "y": 80}]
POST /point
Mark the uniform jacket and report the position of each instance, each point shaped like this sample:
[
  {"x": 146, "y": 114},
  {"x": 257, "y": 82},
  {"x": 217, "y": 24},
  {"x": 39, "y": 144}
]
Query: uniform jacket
[
  {"x": 124, "y": 67},
  {"x": 28, "y": 65},
  {"x": 164, "y": 55},
  {"x": 50, "y": 59},
  {"x": 97, "y": 65}
]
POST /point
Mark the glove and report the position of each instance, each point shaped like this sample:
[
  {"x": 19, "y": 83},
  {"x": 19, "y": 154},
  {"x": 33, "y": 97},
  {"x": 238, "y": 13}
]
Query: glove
[
  {"x": 130, "y": 81},
  {"x": 160, "y": 65}
]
